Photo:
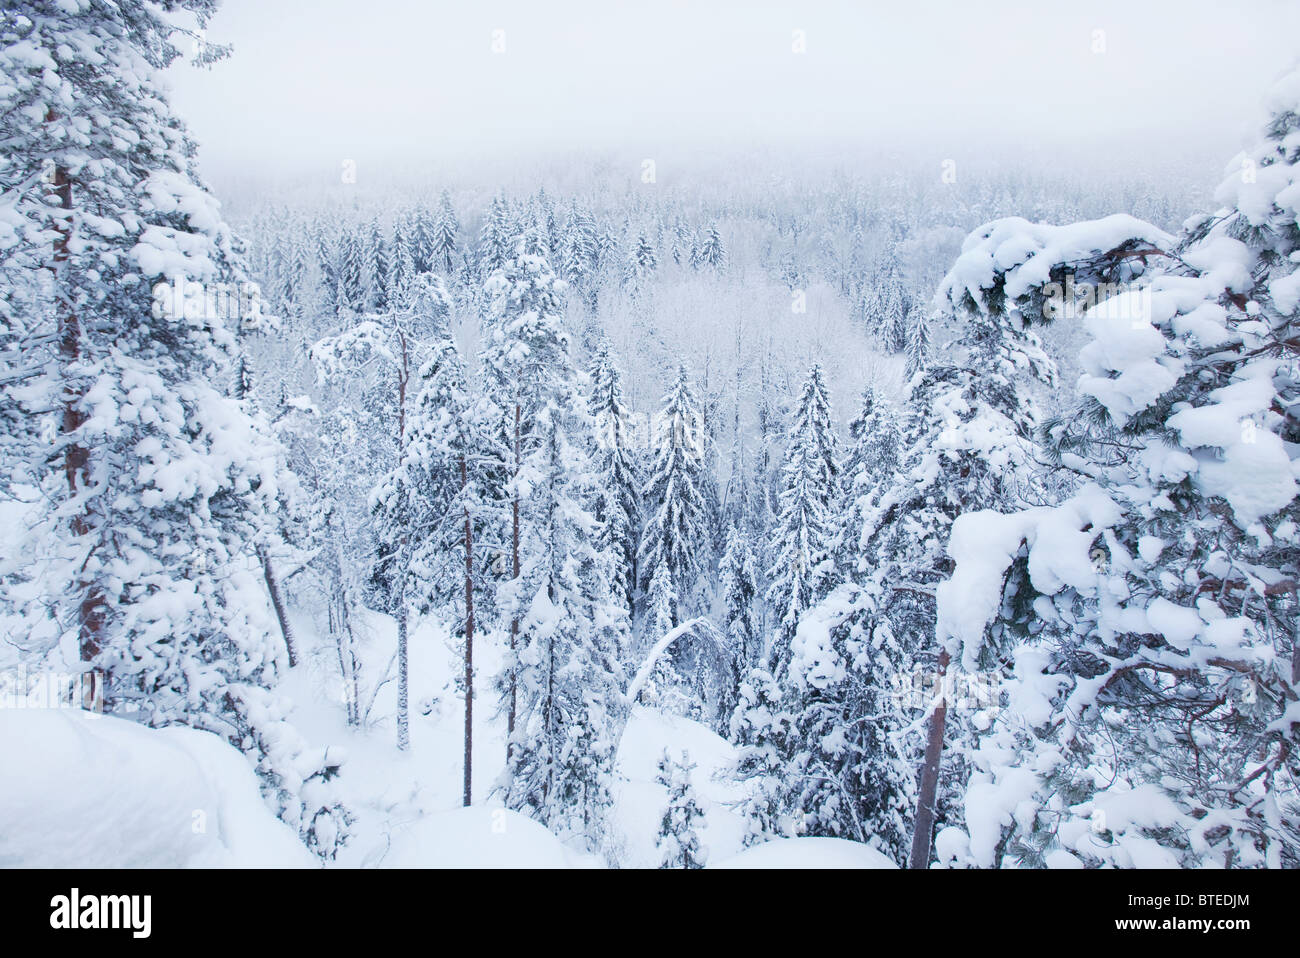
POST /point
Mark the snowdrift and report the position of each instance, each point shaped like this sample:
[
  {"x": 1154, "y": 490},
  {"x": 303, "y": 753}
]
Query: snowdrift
[
  {"x": 479, "y": 837},
  {"x": 91, "y": 791}
]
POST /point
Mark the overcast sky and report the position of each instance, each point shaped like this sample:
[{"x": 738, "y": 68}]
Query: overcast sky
[{"x": 312, "y": 82}]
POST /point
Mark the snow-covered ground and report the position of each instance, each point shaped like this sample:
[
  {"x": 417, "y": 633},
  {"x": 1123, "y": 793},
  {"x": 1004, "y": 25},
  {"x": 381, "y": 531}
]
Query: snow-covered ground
[
  {"x": 98, "y": 791},
  {"x": 92, "y": 791}
]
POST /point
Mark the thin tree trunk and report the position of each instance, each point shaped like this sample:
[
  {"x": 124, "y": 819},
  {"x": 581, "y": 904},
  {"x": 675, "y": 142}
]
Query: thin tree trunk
[
  {"x": 923, "y": 835},
  {"x": 469, "y": 638},
  {"x": 514, "y": 622},
  {"x": 403, "y": 716},
  {"x": 403, "y": 672},
  {"x": 91, "y": 613},
  {"x": 277, "y": 603}
]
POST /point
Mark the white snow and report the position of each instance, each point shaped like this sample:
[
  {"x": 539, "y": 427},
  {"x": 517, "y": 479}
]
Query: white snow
[
  {"x": 478, "y": 837},
  {"x": 93, "y": 791},
  {"x": 808, "y": 853}
]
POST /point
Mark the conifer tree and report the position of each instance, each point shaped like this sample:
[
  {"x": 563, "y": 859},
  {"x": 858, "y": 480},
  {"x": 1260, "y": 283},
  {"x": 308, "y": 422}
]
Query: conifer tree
[
  {"x": 918, "y": 346},
  {"x": 679, "y": 840},
  {"x": 445, "y": 231},
  {"x": 160, "y": 484},
  {"x": 376, "y": 269},
  {"x": 1148, "y": 619},
  {"x": 617, "y": 505},
  {"x": 802, "y": 572},
  {"x": 674, "y": 534},
  {"x": 561, "y": 679}
]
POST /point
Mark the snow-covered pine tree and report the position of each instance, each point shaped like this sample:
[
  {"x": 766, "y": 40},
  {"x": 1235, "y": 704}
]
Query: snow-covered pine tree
[
  {"x": 802, "y": 570},
  {"x": 679, "y": 840},
  {"x": 158, "y": 484},
  {"x": 1151, "y": 616}
]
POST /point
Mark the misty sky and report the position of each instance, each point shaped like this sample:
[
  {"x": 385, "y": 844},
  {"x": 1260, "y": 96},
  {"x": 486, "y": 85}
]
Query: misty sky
[{"x": 313, "y": 81}]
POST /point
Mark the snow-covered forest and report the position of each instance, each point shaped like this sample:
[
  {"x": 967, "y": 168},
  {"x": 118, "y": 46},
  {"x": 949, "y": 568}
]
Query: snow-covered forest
[{"x": 875, "y": 514}]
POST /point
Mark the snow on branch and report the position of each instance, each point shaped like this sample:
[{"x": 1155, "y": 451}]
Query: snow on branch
[{"x": 700, "y": 626}]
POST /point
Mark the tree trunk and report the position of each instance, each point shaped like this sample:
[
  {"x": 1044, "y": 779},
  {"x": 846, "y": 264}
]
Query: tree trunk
[
  {"x": 514, "y": 622},
  {"x": 469, "y": 638},
  {"x": 923, "y": 835},
  {"x": 76, "y": 462},
  {"x": 277, "y": 603},
  {"x": 403, "y": 672},
  {"x": 403, "y": 715}
]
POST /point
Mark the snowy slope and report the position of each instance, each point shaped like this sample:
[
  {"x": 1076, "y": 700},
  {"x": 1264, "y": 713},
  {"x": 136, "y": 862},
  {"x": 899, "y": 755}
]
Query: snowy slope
[
  {"x": 639, "y": 800},
  {"x": 479, "y": 837},
  {"x": 99, "y": 792}
]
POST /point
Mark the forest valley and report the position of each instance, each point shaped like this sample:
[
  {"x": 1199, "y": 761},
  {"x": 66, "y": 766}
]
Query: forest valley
[{"x": 850, "y": 490}]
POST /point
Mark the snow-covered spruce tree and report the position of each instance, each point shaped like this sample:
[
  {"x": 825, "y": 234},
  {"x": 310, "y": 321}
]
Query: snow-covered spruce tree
[
  {"x": 679, "y": 841},
  {"x": 352, "y": 270},
  {"x": 674, "y": 535},
  {"x": 965, "y": 446},
  {"x": 561, "y": 682},
  {"x": 401, "y": 264},
  {"x": 711, "y": 252},
  {"x": 642, "y": 261},
  {"x": 1152, "y": 718},
  {"x": 327, "y": 262},
  {"x": 376, "y": 269},
  {"x": 802, "y": 568},
  {"x": 893, "y": 304},
  {"x": 870, "y": 461},
  {"x": 159, "y": 483},
  {"x": 497, "y": 237},
  {"x": 372, "y": 366},
  {"x": 738, "y": 585},
  {"x": 617, "y": 506},
  {"x": 446, "y": 229},
  {"x": 918, "y": 346},
  {"x": 580, "y": 254},
  {"x": 846, "y": 773},
  {"x": 761, "y": 730},
  {"x": 422, "y": 240},
  {"x": 848, "y": 770}
]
